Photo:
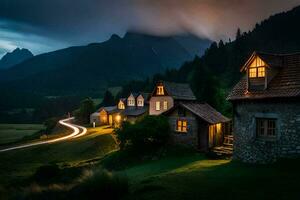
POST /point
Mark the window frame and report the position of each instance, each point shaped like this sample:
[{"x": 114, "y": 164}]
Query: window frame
[
  {"x": 140, "y": 103},
  {"x": 160, "y": 90},
  {"x": 165, "y": 105},
  {"x": 181, "y": 128},
  {"x": 266, "y": 128},
  {"x": 157, "y": 106}
]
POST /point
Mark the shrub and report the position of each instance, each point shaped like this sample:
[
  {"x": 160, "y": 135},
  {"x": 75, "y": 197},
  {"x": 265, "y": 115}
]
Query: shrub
[
  {"x": 46, "y": 173},
  {"x": 100, "y": 183},
  {"x": 148, "y": 132},
  {"x": 50, "y": 124},
  {"x": 86, "y": 108}
]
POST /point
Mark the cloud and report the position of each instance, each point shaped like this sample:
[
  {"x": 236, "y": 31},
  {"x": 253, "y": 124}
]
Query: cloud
[{"x": 49, "y": 24}]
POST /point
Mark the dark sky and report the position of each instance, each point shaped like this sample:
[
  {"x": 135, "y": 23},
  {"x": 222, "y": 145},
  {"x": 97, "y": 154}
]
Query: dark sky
[{"x": 44, "y": 25}]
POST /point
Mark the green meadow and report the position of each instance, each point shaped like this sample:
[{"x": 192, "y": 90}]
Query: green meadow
[{"x": 10, "y": 133}]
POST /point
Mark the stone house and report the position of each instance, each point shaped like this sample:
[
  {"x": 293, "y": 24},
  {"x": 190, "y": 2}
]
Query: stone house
[
  {"x": 266, "y": 108},
  {"x": 193, "y": 123},
  {"x": 196, "y": 124},
  {"x": 166, "y": 94}
]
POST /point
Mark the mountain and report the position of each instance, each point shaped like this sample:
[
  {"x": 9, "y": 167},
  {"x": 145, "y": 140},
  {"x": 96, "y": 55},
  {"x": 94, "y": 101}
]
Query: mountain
[
  {"x": 98, "y": 65},
  {"x": 15, "y": 57},
  {"x": 193, "y": 44},
  {"x": 212, "y": 75}
]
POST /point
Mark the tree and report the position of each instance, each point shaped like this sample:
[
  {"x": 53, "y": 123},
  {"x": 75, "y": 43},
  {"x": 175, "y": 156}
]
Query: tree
[
  {"x": 108, "y": 99},
  {"x": 151, "y": 131},
  {"x": 50, "y": 124},
  {"x": 85, "y": 110},
  {"x": 238, "y": 34}
]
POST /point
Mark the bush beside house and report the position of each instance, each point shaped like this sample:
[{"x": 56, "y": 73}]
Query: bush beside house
[{"x": 151, "y": 131}]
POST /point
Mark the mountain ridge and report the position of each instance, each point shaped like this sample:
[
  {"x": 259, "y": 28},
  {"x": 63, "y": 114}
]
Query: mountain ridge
[
  {"x": 133, "y": 56},
  {"x": 15, "y": 57}
]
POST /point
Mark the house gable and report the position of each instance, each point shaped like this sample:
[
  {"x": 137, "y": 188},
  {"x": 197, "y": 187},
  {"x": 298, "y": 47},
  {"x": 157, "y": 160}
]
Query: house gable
[
  {"x": 140, "y": 101},
  {"x": 256, "y": 70},
  {"x": 160, "y": 90},
  {"x": 131, "y": 100},
  {"x": 121, "y": 104},
  {"x": 282, "y": 78}
]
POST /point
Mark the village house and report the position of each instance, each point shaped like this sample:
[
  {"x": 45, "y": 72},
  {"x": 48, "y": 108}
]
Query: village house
[
  {"x": 192, "y": 123},
  {"x": 266, "y": 108},
  {"x": 128, "y": 109}
]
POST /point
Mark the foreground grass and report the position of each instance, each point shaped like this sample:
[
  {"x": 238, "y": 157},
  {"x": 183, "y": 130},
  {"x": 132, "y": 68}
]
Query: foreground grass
[
  {"x": 10, "y": 133},
  {"x": 16, "y": 166},
  {"x": 197, "y": 177}
]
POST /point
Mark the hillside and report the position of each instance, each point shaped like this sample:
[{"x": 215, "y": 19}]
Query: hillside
[
  {"x": 15, "y": 57},
  {"x": 98, "y": 65}
]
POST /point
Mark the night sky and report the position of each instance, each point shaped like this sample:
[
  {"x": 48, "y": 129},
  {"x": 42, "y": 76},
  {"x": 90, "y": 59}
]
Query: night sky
[{"x": 45, "y": 25}]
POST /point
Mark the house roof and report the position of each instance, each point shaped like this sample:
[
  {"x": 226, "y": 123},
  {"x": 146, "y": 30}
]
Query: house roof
[
  {"x": 272, "y": 60},
  {"x": 124, "y": 100},
  {"x": 202, "y": 110},
  {"x": 134, "y": 94},
  {"x": 286, "y": 82},
  {"x": 134, "y": 111},
  {"x": 109, "y": 109},
  {"x": 179, "y": 91},
  {"x": 144, "y": 95}
]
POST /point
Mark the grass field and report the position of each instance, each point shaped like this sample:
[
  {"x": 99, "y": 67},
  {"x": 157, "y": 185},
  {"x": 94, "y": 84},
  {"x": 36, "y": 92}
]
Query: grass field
[
  {"x": 196, "y": 177},
  {"x": 18, "y": 165},
  {"x": 178, "y": 174},
  {"x": 13, "y": 132}
]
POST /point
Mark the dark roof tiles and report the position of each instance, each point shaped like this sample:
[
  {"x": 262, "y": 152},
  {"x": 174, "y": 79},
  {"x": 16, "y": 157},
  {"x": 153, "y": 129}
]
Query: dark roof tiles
[
  {"x": 286, "y": 82},
  {"x": 179, "y": 91}
]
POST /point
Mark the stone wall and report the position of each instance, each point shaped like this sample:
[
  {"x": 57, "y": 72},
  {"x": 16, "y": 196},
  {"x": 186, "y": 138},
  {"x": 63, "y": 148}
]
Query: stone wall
[
  {"x": 191, "y": 137},
  {"x": 248, "y": 147}
]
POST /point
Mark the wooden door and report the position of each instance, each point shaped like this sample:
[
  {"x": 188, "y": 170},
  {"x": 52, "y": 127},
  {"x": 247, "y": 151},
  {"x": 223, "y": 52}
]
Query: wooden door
[
  {"x": 211, "y": 136},
  {"x": 215, "y": 135}
]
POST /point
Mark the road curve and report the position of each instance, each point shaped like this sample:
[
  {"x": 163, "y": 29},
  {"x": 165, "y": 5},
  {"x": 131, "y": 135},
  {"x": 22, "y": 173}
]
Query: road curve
[{"x": 76, "y": 133}]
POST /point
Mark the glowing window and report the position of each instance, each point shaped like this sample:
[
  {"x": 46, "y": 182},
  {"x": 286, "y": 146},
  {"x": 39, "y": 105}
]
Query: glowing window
[
  {"x": 261, "y": 72},
  {"x": 160, "y": 90},
  {"x": 252, "y": 72},
  {"x": 131, "y": 102},
  {"x": 140, "y": 102},
  {"x": 157, "y": 105},
  {"x": 165, "y": 105},
  {"x": 121, "y": 105},
  {"x": 181, "y": 126},
  {"x": 257, "y": 68}
]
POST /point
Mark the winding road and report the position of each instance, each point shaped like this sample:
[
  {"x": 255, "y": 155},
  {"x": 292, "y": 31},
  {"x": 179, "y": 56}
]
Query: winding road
[{"x": 78, "y": 131}]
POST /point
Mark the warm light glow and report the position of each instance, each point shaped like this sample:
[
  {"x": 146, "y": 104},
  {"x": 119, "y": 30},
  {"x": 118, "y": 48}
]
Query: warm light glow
[
  {"x": 121, "y": 105},
  {"x": 257, "y": 62},
  {"x": 215, "y": 132},
  {"x": 252, "y": 72},
  {"x": 261, "y": 72},
  {"x": 181, "y": 126},
  {"x": 131, "y": 102},
  {"x": 140, "y": 102},
  {"x": 165, "y": 105},
  {"x": 118, "y": 118},
  {"x": 160, "y": 90},
  {"x": 257, "y": 68},
  {"x": 157, "y": 105}
]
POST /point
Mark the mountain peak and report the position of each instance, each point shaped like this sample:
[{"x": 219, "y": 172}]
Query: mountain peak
[
  {"x": 17, "y": 56},
  {"x": 114, "y": 37}
]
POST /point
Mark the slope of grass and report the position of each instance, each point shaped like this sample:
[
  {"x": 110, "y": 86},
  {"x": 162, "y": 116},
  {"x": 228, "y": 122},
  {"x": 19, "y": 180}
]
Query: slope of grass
[
  {"x": 18, "y": 165},
  {"x": 196, "y": 177},
  {"x": 13, "y": 132}
]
